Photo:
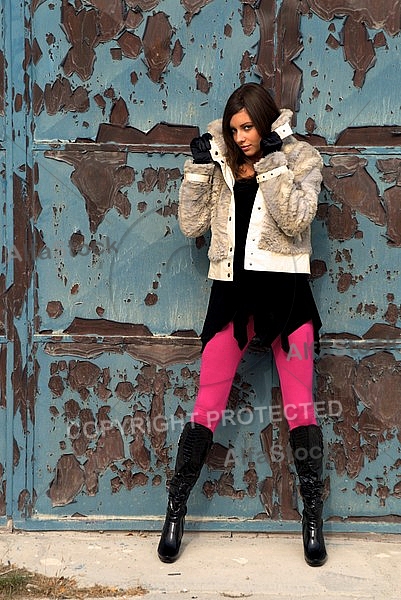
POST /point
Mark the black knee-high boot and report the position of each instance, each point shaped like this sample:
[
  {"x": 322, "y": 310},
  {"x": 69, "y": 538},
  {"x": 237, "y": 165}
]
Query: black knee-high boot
[
  {"x": 307, "y": 446},
  {"x": 193, "y": 447}
]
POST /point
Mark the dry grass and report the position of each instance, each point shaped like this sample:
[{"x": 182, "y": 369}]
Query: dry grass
[{"x": 16, "y": 583}]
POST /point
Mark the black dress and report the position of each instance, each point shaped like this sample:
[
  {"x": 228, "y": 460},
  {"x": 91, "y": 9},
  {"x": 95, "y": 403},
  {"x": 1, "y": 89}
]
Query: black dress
[{"x": 279, "y": 302}]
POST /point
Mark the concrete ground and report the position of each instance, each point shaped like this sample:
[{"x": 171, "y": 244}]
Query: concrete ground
[{"x": 215, "y": 565}]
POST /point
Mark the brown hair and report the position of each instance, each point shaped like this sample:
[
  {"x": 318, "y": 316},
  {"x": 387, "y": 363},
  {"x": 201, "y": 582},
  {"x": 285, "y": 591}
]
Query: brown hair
[{"x": 262, "y": 110}]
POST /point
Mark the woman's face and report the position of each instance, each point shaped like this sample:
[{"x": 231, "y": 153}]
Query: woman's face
[{"x": 245, "y": 134}]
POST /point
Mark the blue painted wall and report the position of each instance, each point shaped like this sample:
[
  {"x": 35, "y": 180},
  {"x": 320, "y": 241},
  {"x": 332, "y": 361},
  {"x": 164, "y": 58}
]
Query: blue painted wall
[{"x": 102, "y": 298}]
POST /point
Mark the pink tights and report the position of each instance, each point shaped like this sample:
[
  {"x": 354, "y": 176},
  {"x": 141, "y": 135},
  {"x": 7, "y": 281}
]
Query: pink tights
[{"x": 221, "y": 357}]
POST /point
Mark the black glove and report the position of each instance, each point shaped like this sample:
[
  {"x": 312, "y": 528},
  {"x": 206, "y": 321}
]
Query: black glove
[
  {"x": 272, "y": 143},
  {"x": 200, "y": 147}
]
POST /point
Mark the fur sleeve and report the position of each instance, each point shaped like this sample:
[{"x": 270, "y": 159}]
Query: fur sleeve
[
  {"x": 194, "y": 207},
  {"x": 291, "y": 196}
]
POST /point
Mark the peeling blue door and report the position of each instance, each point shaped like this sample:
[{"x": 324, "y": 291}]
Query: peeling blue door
[
  {"x": 102, "y": 298},
  {"x": 4, "y": 357}
]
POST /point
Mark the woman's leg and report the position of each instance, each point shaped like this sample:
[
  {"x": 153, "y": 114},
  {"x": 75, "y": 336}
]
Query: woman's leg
[
  {"x": 296, "y": 381},
  {"x": 220, "y": 359},
  {"x": 193, "y": 447},
  {"x": 295, "y": 370}
]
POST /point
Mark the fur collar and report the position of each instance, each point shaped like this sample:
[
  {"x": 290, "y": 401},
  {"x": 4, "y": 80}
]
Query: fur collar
[{"x": 215, "y": 128}]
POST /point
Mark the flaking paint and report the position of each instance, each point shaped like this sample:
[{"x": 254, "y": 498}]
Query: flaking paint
[{"x": 100, "y": 345}]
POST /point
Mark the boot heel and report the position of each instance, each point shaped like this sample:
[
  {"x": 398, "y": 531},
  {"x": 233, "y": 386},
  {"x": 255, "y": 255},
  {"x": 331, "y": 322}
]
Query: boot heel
[
  {"x": 170, "y": 539},
  {"x": 314, "y": 547}
]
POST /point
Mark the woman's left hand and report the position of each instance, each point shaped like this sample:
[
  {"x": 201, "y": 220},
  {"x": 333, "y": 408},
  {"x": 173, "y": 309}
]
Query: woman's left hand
[{"x": 272, "y": 143}]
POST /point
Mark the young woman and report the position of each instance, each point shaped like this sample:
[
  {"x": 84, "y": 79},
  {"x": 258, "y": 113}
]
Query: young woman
[{"x": 256, "y": 187}]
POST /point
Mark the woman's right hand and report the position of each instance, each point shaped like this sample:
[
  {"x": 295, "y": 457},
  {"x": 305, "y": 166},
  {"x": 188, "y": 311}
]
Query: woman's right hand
[{"x": 200, "y": 148}]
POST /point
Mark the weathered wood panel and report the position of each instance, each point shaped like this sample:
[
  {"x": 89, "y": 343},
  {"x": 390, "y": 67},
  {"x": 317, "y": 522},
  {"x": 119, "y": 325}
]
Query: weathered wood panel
[{"x": 103, "y": 300}]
